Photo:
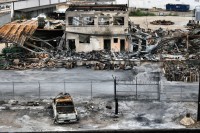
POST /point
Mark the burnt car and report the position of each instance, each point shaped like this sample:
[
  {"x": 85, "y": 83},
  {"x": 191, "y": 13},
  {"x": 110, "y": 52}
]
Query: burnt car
[{"x": 63, "y": 109}]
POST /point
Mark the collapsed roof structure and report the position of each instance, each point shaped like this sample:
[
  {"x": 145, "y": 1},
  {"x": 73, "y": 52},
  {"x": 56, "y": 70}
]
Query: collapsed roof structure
[{"x": 17, "y": 31}]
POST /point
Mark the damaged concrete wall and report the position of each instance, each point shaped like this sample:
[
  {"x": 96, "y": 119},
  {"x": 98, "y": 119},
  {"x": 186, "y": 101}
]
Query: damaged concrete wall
[
  {"x": 2, "y": 45},
  {"x": 26, "y": 4},
  {"x": 97, "y": 28},
  {"x": 33, "y": 3},
  {"x": 97, "y": 43},
  {"x": 86, "y": 47},
  {"x": 5, "y": 18}
]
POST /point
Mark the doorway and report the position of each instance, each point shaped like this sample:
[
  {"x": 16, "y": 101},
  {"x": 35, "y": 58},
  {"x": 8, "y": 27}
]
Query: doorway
[
  {"x": 122, "y": 45},
  {"x": 107, "y": 44},
  {"x": 71, "y": 43}
]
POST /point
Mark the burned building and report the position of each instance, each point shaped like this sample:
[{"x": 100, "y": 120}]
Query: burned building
[{"x": 97, "y": 27}]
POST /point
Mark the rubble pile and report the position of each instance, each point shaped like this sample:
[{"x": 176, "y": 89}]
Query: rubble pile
[
  {"x": 52, "y": 51},
  {"x": 96, "y": 60},
  {"x": 162, "y": 22},
  {"x": 180, "y": 43},
  {"x": 181, "y": 71},
  {"x": 192, "y": 24}
]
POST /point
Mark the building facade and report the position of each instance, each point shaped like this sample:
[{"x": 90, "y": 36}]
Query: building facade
[
  {"x": 97, "y": 27},
  {"x": 4, "y": 18},
  {"x": 32, "y": 8}
]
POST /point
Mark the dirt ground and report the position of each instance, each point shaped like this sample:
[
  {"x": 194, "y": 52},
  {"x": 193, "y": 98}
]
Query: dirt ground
[
  {"x": 179, "y": 22},
  {"x": 94, "y": 115}
]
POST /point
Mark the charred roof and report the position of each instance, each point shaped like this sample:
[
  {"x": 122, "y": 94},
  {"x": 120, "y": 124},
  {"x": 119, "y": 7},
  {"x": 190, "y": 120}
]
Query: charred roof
[
  {"x": 17, "y": 31},
  {"x": 121, "y": 7}
]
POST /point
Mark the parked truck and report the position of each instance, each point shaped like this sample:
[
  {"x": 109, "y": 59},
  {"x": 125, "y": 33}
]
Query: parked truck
[{"x": 63, "y": 109}]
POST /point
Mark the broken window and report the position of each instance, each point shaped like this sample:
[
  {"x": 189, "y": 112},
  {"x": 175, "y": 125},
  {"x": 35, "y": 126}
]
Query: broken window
[
  {"x": 84, "y": 39},
  {"x": 65, "y": 107},
  {"x": 115, "y": 40},
  {"x": 103, "y": 21},
  {"x": 118, "y": 21},
  {"x": 88, "y": 20},
  {"x": 74, "y": 21}
]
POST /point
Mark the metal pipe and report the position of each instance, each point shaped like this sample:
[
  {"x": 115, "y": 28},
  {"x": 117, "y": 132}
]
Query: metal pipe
[
  {"x": 13, "y": 89},
  {"x": 39, "y": 89},
  {"x": 115, "y": 96},
  {"x": 115, "y": 86},
  {"x": 91, "y": 90},
  {"x": 136, "y": 87},
  {"x": 198, "y": 110},
  {"x": 116, "y": 106}
]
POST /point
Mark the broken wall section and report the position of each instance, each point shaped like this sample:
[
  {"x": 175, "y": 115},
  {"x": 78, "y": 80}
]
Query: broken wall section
[{"x": 86, "y": 43}]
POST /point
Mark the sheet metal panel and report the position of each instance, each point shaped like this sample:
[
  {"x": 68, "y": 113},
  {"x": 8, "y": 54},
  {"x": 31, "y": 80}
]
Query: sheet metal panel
[{"x": 17, "y": 32}]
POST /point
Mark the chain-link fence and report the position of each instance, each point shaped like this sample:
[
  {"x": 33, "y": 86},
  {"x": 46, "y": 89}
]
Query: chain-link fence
[
  {"x": 126, "y": 90},
  {"x": 44, "y": 89},
  {"x": 185, "y": 92},
  {"x": 138, "y": 90}
]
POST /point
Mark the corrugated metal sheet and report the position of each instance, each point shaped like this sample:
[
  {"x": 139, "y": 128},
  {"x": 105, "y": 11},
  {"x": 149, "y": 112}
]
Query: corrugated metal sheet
[{"x": 17, "y": 32}]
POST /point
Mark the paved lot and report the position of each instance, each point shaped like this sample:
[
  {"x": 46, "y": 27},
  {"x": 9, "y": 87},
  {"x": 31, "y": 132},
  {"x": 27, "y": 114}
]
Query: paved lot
[{"x": 144, "y": 22}]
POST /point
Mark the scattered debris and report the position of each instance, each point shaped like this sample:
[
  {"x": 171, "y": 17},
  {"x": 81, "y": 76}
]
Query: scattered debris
[
  {"x": 162, "y": 22},
  {"x": 187, "y": 120},
  {"x": 13, "y": 102},
  {"x": 2, "y": 102},
  {"x": 181, "y": 71},
  {"x": 109, "y": 107},
  {"x": 32, "y": 103}
]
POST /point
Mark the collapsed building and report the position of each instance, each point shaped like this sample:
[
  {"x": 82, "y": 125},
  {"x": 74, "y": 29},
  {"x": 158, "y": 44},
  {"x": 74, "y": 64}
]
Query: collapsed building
[
  {"x": 97, "y": 27},
  {"x": 98, "y": 37}
]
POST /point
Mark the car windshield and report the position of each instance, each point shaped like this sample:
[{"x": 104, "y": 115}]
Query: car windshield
[{"x": 65, "y": 107}]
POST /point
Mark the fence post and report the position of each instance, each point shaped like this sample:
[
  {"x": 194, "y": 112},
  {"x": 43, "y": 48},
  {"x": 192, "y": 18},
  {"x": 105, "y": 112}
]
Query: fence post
[
  {"x": 136, "y": 88},
  {"x": 159, "y": 87},
  {"x": 115, "y": 96},
  {"x": 13, "y": 89},
  {"x": 181, "y": 94},
  {"x": 91, "y": 90},
  {"x": 115, "y": 86},
  {"x": 2, "y": 95},
  {"x": 64, "y": 87},
  {"x": 39, "y": 89}
]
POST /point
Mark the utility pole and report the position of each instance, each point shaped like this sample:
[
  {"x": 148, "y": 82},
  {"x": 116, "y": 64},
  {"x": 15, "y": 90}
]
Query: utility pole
[
  {"x": 128, "y": 3},
  {"x": 198, "y": 111},
  {"x": 115, "y": 96},
  {"x": 115, "y": 86}
]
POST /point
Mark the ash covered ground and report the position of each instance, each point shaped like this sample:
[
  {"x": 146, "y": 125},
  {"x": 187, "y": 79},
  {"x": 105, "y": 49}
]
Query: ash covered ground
[{"x": 133, "y": 114}]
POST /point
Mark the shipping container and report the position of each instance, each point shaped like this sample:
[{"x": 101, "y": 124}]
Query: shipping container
[{"x": 177, "y": 7}]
